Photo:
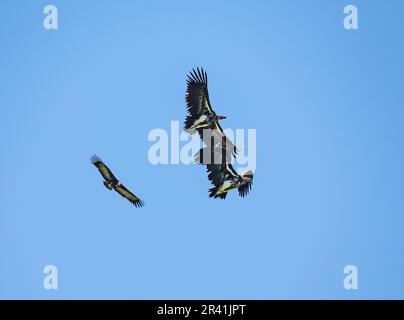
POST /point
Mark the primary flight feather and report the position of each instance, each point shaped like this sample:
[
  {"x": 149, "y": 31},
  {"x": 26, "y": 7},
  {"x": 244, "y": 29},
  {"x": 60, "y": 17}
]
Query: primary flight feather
[{"x": 201, "y": 117}]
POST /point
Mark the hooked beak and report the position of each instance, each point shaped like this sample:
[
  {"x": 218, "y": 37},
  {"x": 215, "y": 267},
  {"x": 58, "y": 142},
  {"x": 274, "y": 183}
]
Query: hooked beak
[{"x": 221, "y": 117}]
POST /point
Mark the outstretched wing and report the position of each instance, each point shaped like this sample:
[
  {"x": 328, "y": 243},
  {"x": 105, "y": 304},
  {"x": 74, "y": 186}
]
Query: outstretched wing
[
  {"x": 217, "y": 139},
  {"x": 103, "y": 169},
  {"x": 217, "y": 163},
  {"x": 198, "y": 104},
  {"x": 219, "y": 175},
  {"x": 220, "y": 169},
  {"x": 129, "y": 195},
  {"x": 245, "y": 188},
  {"x": 197, "y": 96}
]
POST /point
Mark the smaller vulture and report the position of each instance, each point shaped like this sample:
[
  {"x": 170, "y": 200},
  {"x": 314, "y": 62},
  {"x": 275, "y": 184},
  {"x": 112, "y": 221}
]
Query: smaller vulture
[
  {"x": 222, "y": 174},
  {"x": 111, "y": 182}
]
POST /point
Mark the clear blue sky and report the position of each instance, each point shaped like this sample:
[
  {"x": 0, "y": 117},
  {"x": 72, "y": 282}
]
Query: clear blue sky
[{"x": 327, "y": 105}]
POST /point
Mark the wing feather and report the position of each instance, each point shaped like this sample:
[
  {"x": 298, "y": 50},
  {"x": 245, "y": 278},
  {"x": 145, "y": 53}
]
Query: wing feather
[
  {"x": 220, "y": 140},
  {"x": 198, "y": 104},
  {"x": 218, "y": 166},
  {"x": 129, "y": 195},
  {"x": 245, "y": 188},
  {"x": 197, "y": 95},
  {"x": 103, "y": 169}
]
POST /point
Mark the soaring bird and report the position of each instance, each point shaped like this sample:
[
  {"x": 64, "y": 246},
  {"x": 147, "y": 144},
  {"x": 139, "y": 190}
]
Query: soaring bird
[
  {"x": 111, "y": 182},
  {"x": 222, "y": 174},
  {"x": 201, "y": 117}
]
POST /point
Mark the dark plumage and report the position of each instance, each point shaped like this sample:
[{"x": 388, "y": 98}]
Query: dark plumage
[
  {"x": 222, "y": 174},
  {"x": 201, "y": 117},
  {"x": 111, "y": 182}
]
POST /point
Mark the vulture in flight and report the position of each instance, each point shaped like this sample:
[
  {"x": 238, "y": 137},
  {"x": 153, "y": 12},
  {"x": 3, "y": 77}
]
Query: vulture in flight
[
  {"x": 222, "y": 174},
  {"x": 201, "y": 117},
  {"x": 111, "y": 182}
]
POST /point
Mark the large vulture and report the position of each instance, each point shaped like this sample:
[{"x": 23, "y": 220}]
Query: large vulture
[
  {"x": 111, "y": 182},
  {"x": 201, "y": 117}
]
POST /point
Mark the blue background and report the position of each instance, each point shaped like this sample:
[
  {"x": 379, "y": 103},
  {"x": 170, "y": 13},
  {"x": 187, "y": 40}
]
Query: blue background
[{"x": 327, "y": 105}]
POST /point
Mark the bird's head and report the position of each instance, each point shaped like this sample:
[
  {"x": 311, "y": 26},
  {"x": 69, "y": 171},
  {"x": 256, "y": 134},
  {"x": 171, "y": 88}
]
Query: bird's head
[{"x": 247, "y": 176}]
